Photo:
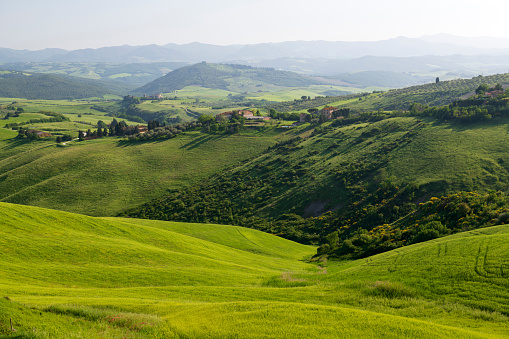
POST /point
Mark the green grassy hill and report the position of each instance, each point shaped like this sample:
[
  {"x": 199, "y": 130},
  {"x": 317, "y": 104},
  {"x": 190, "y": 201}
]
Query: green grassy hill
[
  {"x": 51, "y": 87},
  {"x": 65, "y": 274},
  {"x": 238, "y": 78},
  {"x": 105, "y": 176}
]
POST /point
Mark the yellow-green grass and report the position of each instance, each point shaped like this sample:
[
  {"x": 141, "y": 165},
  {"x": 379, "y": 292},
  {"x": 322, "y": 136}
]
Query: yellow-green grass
[
  {"x": 67, "y": 274},
  {"x": 284, "y": 95},
  {"x": 7, "y": 134},
  {"x": 202, "y": 92},
  {"x": 58, "y": 106},
  {"x": 24, "y": 117},
  {"x": 106, "y": 176}
]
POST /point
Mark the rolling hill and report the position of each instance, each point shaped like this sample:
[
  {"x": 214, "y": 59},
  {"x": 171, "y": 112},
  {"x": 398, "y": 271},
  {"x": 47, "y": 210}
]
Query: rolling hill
[
  {"x": 14, "y": 84},
  {"x": 105, "y": 176},
  {"x": 65, "y": 274},
  {"x": 232, "y": 77}
]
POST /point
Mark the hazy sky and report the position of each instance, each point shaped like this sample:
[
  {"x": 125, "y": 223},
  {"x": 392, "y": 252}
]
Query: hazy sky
[{"x": 74, "y": 24}]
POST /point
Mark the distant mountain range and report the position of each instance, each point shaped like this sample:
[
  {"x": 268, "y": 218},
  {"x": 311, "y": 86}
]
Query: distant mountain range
[{"x": 195, "y": 52}]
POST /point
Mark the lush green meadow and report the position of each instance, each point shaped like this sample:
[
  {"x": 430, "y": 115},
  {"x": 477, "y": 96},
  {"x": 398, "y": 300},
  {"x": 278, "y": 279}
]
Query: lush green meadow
[{"x": 69, "y": 275}]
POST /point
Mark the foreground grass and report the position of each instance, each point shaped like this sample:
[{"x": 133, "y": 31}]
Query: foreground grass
[{"x": 69, "y": 275}]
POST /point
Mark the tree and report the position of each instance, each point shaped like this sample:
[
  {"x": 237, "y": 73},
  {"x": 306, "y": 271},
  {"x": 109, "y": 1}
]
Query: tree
[
  {"x": 437, "y": 80},
  {"x": 206, "y": 119},
  {"x": 119, "y": 131},
  {"x": 59, "y": 139},
  {"x": 483, "y": 88},
  {"x": 81, "y": 137}
]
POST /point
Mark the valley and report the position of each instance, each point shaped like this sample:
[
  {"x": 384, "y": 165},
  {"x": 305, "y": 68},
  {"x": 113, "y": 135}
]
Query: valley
[{"x": 229, "y": 201}]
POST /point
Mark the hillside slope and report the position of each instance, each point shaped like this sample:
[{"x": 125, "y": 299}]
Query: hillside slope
[
  {"x": 65, "y": 273},
  {"x": 105, "y": 176},
  {"x": 367, "y": 173}
]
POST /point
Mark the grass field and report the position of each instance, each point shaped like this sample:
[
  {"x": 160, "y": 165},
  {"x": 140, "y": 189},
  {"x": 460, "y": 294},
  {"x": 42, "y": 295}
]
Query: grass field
[{"x": 72, "y": 275}]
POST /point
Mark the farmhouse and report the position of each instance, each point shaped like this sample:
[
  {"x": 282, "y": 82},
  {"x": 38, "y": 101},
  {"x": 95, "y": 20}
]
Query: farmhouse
[
  {"x": 327, "y": 112},
  {"x": 155, "y": 96},
  {"x": 228, "y": 115},
  {"x": 246, "y": 113},
  {"x": 40, "y": 134},
  {"x": 495, "y": 93},
  {"x": 223, "y": 116},
  {"x": 142, "y": 129}
]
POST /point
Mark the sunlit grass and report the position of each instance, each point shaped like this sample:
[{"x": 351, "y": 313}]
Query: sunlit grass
[{"x": 71, "y": 274}]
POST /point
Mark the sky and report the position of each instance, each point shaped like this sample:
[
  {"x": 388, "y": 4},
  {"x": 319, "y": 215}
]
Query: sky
[{"x": 77, "y": 24}]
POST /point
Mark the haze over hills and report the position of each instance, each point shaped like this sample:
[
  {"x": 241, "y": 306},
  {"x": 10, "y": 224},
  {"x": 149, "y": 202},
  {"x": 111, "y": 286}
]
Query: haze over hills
[
  {"x": 479, "y": 42},
  {"x": 445, "y": 56},
  {"x": 194, "y": 52}
]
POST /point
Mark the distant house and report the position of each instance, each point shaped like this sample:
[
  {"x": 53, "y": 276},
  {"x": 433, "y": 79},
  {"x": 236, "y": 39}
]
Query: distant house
[
  {"x": 40, "y": 134},
  {"x": 142, "y": 129},
  {"x": 495, "y": 93},
  {"x": 327, "y": 112},
  {"x": 223, "y": 116},
  {"x": 155, "y": 96},
  {"x": 244, "y": 113}
]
